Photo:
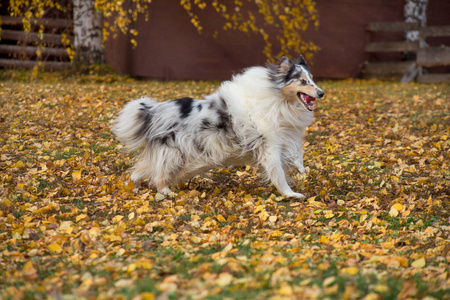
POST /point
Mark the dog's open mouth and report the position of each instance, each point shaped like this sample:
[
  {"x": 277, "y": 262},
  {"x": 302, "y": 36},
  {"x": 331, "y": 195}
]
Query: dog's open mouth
[{"x": 307, "y": 101}]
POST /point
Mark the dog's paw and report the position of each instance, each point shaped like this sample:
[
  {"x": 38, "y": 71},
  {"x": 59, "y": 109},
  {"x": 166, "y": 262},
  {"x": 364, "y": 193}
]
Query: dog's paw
[
  {"x": 136, "y": 178},
  {"x": 165, "y": 191},
  {"x": 295, "y": 195},
  {"x": 301, "y": 169}
]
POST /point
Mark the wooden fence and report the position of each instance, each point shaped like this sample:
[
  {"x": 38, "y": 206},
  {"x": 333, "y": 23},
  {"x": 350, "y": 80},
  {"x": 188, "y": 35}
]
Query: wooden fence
[
  {"x": 433, "y": 56},
  {"x": 425, "y": 56},
  {"x": 28, "y": 49}
]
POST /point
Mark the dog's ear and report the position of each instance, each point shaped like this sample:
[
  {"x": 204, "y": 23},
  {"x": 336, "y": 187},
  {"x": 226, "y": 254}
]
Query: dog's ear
[
  {"x": 285, "y": 65},
  {"x": 301, "y": 61}
]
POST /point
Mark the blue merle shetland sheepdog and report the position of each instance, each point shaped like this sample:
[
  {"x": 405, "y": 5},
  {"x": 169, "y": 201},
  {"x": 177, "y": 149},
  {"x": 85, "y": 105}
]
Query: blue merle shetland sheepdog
[{"x": 258, "y": 117}]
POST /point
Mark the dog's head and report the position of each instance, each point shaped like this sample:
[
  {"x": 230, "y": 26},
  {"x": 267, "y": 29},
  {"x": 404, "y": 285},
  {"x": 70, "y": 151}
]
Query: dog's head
[{"x": 295, "y": 81}]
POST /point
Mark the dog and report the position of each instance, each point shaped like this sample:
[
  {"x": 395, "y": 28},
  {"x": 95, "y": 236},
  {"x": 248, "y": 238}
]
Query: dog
[{"x": 258, "y": 117}]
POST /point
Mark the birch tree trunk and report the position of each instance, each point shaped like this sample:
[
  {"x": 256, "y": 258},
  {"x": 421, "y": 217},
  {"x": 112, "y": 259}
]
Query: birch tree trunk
[
  {"x": 415, "y": 11},
  {"x": 87, "y": 27}
]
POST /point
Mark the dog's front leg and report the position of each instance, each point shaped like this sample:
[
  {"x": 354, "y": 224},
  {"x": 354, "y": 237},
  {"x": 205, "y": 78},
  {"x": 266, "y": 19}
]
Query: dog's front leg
[
  {"x": 293, "y": 153},
  {"x": 274, "y": 169},
  {"x": 299, "y": 162}
]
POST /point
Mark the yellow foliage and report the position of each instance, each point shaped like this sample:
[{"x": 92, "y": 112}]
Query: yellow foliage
[{"x": 284, "y": 19}]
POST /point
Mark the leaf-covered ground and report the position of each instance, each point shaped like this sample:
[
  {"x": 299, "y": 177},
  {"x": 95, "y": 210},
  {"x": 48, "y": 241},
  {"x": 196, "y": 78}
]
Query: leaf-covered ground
[{"x": 375, "y": 224}]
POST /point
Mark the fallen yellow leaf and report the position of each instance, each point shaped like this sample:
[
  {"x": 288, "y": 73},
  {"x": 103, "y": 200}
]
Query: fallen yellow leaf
[
  {"x": 350, "y": 271},
  {"x": 263, "y": 215},
  {"x": 146, "y": 296},
  {"x": 55, "y": 247},
  {"x": 398, "y": 206},
  {"x": 28, "y": 270},
  {"x": 393, "y": 212},
  {"x": 402, "y": 260},
  {"x": 419, "y": 263},
  {"x": 129, "y": 187},
  {"x": 117, "y": 218},
  {"x": 324, "y": 240},
  {"x": 408, "y": 291},
  {"x": 273, "y": 219},
  {"x": 285, "y": 290},
  {"x": 81, "y": 217},
  {"x": 372, "y": 296},
  {"x": 258, "y": 209},
  {"x": 224, "y": 279},
  {"x": 329, "y": 214},
  {"x": 76, "y": 175},
  {"x": 221, "y": 219},
  {"x": 276, "y": 233},
  {"x": 387, "y": 245}
]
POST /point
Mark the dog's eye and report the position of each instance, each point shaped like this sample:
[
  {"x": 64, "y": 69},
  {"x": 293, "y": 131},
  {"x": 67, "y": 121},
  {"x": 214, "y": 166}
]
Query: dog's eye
[{"x": 302, "y": 81}]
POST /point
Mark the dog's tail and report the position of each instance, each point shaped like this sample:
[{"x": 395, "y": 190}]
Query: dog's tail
[{"x": 133, "y": 124}]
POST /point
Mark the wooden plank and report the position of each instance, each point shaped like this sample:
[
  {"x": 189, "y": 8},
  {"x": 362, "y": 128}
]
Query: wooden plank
[
  {"x": 434, "y": 31},
  {"x": 393, "y": 26},
  {"x": 434, "y": 78},
  {"x": 29, "y": 64},
  {"x": 433, "y": 57},
  {"x": 50, "y": 23},
  {"x": 30, "y": 50},
  {"x": 32, "y": 37},
  {"x": 383, "y": 68},
  {"x": 392, "y": 47}
]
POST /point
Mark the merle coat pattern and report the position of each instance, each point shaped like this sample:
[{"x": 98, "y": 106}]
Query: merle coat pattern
[{"x": 258, "y": 118}]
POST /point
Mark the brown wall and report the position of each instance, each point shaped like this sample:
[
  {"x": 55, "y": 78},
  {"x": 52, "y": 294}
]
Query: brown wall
[
  {"x": 169, "y": 47},
  {"x": 342, "y": 35}
]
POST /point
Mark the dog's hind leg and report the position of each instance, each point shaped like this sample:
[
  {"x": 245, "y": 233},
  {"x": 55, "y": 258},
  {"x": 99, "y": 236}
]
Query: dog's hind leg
[
  {"x": 274, "y": 170},
  {"x": 167, "y": 163},
  {"x": 142, "y": 168}
]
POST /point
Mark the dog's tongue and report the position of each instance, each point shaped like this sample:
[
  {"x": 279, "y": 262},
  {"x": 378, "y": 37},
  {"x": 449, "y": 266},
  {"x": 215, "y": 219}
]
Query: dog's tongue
[{"x": 309, "y": 99}]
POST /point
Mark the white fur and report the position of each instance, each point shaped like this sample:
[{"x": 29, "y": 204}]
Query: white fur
[{"x": 263, "y": 129}]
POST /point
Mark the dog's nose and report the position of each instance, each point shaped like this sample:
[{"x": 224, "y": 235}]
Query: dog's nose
[{"x": 320, "y": 93}]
